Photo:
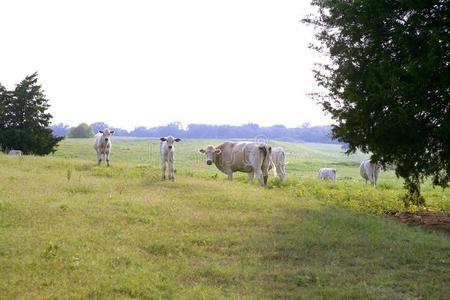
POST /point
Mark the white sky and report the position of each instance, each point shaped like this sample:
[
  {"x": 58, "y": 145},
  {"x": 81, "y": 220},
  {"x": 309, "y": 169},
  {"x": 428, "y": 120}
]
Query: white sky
[{"x": 146, "y": 63}]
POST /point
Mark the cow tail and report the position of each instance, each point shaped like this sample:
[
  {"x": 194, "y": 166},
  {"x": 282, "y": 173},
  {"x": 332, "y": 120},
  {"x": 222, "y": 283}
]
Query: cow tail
[{"x": 264, "y": 152}]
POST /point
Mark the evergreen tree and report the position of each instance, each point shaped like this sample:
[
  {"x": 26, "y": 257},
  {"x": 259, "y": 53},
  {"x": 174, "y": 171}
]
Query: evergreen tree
[
  {"x": 24, "y": 121},
  {"x": 388, "y": 82}
]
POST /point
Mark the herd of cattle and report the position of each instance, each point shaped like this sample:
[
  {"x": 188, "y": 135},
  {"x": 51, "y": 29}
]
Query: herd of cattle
[{"x": 253, "y": 158}]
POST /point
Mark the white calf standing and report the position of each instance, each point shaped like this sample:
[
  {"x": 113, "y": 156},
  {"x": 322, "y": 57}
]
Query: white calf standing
[
  {"x": 167, "y": 150},
  {"x": 325, "y": 173},
  {"x": 370, "y": 171},
  {"x": 278, "y": 162},
  {"x": 102, "y": 145}
]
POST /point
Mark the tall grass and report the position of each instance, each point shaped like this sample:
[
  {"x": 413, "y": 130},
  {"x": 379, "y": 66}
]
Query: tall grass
[{"x": 120, "y": 232}]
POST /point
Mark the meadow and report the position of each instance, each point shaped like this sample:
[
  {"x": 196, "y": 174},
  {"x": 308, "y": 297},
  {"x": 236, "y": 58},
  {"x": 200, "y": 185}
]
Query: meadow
[{"x": 70, "y": 229}]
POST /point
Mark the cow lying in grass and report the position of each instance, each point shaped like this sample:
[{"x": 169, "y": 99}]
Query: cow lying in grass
[
  {"x": 327, "y": 173},
  {"x": 15, "y": 152}
]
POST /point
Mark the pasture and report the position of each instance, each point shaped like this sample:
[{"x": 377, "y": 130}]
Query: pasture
[{"x": 72, "y": 229}]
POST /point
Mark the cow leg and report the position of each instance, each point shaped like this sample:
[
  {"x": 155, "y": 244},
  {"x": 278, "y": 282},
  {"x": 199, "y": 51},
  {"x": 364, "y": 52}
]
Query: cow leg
[
  {"x": 280, "y": 172},
  {"x": 259, "y": 175},
  {"x": 275, "y": 169},
  {"x": 107, "y": 158},
  {"x": 163, "y": 166},
  {"x": 250, "y": 177},
  {"x": 230, "y": 174},
  {"x": 265, "y": 173},
  {"x": 171, "y": 171}
]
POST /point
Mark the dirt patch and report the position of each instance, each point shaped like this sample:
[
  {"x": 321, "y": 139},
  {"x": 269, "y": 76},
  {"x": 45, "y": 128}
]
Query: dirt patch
[{"x": 434, "y": 220}]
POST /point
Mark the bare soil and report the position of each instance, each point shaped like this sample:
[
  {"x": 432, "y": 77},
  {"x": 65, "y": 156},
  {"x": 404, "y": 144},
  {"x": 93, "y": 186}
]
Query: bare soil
[{"x": 433, "y": 220}]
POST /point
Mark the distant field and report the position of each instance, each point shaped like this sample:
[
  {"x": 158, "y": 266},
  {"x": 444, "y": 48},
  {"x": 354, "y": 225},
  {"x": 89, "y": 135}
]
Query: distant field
[
  {"x": 304, "y": 159},
  {"x": 70, "y": 229}
]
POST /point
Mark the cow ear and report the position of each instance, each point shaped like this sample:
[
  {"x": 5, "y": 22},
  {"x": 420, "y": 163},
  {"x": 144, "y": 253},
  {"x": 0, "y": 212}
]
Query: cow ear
[
  {"x": 163, "y": 139},
  {"x": 201, "y": 151},
  {"x": 177, "y": 140},
  {"x": 112, "y": 131},
  {"x": 218, "y": 151},
  {"x": 101, "y": 131}
]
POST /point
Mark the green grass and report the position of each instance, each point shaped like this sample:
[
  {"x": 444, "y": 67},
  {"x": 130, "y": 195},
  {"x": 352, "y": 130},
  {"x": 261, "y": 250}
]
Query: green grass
[{"x": 72, "y": 229}]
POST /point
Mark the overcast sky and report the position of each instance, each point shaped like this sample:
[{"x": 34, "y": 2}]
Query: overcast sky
[{"x": 146, "y": 63}]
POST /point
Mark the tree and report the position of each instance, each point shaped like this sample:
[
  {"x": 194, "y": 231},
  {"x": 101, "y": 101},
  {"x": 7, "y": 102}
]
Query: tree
[
  {"x": 24, "y": 121},
  {"x": 81, "y": 131},
  {"x": 387, "y": 81},
  {"x": 4, "y": 99}
]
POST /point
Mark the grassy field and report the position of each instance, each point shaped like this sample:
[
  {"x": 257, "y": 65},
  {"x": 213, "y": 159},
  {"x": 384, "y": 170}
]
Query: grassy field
[{"x": 70, "y": 229}]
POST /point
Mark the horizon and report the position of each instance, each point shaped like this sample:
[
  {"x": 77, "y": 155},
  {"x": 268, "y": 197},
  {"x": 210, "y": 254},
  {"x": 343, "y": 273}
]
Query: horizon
[{"x": 184, "y": 127}]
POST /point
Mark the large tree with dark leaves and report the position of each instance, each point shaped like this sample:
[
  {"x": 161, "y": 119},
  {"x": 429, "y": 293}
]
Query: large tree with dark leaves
[
  {"x": 387, "y": 77},
  {"x": 24, "y": 120}
]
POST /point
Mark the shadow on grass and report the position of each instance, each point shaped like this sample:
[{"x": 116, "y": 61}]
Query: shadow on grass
[{"x": 332, "y": 253}]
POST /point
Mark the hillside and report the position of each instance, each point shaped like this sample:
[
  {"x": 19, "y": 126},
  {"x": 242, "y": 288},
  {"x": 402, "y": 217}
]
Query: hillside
[{"x": 71, "y": 229}]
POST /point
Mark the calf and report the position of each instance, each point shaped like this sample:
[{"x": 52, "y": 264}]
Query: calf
[
  {"x": 167, "y": 150},
  {"x": 102, "y": 145},
  {"x": 278, "y": 162},
  {"x": 327, "y": 173}
]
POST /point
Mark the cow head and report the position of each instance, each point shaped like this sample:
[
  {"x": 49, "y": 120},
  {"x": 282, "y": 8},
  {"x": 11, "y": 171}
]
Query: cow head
[
  {"x": 210, "y": 152},
  {"x": 106, "y": 134},
  {"x": 169, "y": 140}
]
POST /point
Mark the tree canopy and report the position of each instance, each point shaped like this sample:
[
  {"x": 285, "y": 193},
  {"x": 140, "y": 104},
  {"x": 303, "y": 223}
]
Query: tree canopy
[
  {"x": 24, "y": 119},
  {"x": 81, "y": 131},
  {"x": 387, "y": 82}
]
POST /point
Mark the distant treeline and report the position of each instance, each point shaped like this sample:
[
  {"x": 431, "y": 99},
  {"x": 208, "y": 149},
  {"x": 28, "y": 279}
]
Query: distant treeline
[{"x": 305, "y": 133}]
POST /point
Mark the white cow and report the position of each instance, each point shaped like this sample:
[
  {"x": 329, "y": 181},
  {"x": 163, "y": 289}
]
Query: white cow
[
  {"x": 278, "y": 162},
  {"x": 325, "y": 173},
  {"x": 248, "y": 157},
  {"x": 102, "y": 145},
  {"x": 167, "y": 150},
  {"x": 15, "y": 152},
  {"x": 370, "y": 171}
]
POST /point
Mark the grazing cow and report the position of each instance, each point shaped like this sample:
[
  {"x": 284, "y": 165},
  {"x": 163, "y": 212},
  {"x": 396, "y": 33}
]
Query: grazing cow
[
  {"x": 327, "y": 173},
  {"x": 167, "y": 149},
  {"x": 370, "y": 171},
  {"x": 278, "y": 162},
  {"x": 15, "y": 152},
  {"x": 248, "y": 157},
  {"x": 102, "y": 144}
]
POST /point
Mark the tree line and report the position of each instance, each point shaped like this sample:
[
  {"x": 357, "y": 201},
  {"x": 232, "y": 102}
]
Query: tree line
[{"x": 304, "y": 133}]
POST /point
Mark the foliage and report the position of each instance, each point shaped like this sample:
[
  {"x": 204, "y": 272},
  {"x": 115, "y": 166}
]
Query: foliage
[
  {"x": 24, "y": 121},
  {"x": 387, "y": 78},
  {"x": 81, "y": 131}
]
